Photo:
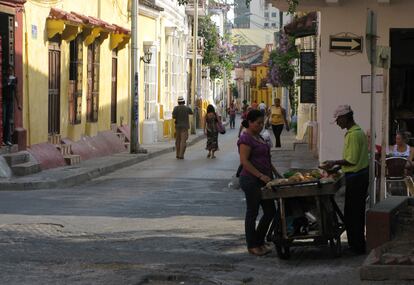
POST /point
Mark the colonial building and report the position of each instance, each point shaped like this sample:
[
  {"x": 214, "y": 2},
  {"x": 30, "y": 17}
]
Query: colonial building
[{"x": 341, "y": 77}]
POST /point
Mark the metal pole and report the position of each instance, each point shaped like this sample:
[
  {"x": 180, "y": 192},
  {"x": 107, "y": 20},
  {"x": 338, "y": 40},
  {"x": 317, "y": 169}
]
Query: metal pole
[
  {"x": 134, "y": 79},
  {"x": 373, "y": 41},
  {"x": 384, "y": 133},
  {"x": 194, "y": 66}
]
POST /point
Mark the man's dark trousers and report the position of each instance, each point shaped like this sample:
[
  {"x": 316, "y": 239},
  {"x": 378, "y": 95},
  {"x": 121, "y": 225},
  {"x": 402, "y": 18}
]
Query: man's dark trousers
[{"x": 355, "y": 199}]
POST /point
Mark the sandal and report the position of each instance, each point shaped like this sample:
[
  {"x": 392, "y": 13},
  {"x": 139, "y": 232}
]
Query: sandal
[
  {"x": 258, "y": 251},
  {"x": 209, "y": 155}
]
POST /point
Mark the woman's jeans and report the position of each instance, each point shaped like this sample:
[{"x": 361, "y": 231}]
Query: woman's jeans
[
  {"x": 232, "y": 121},
  {"x": 277, "y": 131},
  {"x": 255, "y": 237}
]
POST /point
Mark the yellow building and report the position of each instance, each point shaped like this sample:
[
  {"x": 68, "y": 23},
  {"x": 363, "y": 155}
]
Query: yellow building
[
  {"x": 260, "y": 89},
  {"x": 76, "y": 64}
]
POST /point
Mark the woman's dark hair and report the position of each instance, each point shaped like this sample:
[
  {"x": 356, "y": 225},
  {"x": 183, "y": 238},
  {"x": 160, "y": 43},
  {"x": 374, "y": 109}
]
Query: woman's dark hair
[
  {"x": 404, "y": 135},
  {"x": 252, "y": 116},
  {"x": 210, "y": 109}
]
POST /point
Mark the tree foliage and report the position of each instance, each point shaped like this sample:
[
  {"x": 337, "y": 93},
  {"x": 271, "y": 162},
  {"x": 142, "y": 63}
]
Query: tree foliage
[
  {"x": 218, "y": 52},
  {"x": 281, "y": 62}
]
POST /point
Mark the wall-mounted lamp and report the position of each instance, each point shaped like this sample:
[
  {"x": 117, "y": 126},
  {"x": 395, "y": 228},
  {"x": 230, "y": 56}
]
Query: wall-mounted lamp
[{"x": 147, "y": 56}]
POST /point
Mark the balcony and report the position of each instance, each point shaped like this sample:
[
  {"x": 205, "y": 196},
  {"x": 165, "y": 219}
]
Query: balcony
[
  {"x": 202, "y": 8},
  {"x": 200, "y": 45}
]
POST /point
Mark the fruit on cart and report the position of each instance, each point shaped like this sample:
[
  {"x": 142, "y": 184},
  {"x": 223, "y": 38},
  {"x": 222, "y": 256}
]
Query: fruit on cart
[{"x": 276, "y": 182}]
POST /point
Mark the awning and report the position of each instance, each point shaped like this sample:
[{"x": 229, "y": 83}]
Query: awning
[
  {"x": 120, "y": 37},
  {"x": 303, "y": 26},
  {"x": 63, "y": 23},
  {"x": 69, "y": 25}
]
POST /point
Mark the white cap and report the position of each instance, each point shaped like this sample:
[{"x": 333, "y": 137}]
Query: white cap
[
  {"x": 340, "y": 111},
  {"x": 180, "y": 99}
]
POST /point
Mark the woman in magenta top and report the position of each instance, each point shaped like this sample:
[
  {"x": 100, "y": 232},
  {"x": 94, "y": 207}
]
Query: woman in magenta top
[{"x": 257, "y": 171}]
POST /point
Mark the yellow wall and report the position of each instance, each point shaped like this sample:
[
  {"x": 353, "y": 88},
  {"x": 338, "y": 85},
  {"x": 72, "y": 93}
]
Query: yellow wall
[
  {"x": 36, "y": 99},
  {"x": 261, "y": 94}
]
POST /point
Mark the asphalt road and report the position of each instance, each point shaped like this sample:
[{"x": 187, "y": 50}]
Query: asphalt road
[{"x": 162, "y": 221}]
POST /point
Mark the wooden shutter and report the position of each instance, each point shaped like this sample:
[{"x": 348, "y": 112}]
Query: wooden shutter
[
  {"x": 54, "y": 89},
  {"x": 93, "y": 82},
  {"x": 114, "y": 87},
  {"x": 75, "y": 81}
]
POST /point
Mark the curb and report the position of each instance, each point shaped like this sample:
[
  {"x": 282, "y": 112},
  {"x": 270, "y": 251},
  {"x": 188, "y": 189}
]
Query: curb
[{"x": 88, "y": 174}]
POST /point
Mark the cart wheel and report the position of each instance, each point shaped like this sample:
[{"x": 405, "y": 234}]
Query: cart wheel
[
  {"x": 283, "y": 251},
  {"x": 336, "y": 248}
]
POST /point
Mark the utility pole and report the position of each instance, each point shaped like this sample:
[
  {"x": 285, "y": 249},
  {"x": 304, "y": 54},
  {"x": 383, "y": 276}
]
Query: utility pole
[
  {"x": 371, "y": 36},
  {"x": 227, "y": 99},
  {"x": 194, "y": 66},
  {"x": 134, "y": 143}
]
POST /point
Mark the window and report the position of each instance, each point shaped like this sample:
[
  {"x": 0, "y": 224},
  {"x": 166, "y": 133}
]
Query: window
[
  {"x": 266, "y": 25},
  {"x": 92, "y": 99},
  {"x": 75, "y": 80},
  {"x": 150, "y": 85},
  {"x": 274, "y": 14},
  {"x": 273, "y": 25},
  {"x": 266, "y": 14}
]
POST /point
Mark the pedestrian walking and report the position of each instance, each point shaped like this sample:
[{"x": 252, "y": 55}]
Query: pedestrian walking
[
  {"x": 257, "y": 169},
  {"x": 277, "y": 118},
  {"x": 262, "y": 107},
  {"x": 355, "y": 166},
  {"x": 232, "y": 113},
  {"x": 182, "y": 124},
  {"x": 211, "y": 130}
]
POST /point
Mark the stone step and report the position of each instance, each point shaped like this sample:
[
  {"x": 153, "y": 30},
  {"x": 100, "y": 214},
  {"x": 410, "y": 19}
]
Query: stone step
[
  {"x": 26, "y": 168},
  {"x": 114, "y": 128},
  {"x": 72, "y": 159},
  {"x": 13, "y": 159},
  {"x": 55, "y": 139},
  {"x": 127, "y": 146},
  {"x": 121, "y": 136},
  {"x": 65, "y": 149},
  {"x": 9, "y": 149}
]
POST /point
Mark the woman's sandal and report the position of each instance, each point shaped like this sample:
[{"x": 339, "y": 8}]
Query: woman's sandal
[
  {"x": 208, "y": 155},
  {"x": 258, "y": 251}
]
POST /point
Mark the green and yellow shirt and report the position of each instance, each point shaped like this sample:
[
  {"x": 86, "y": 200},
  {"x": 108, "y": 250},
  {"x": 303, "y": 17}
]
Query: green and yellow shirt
[{"x": 355, "y": 150}]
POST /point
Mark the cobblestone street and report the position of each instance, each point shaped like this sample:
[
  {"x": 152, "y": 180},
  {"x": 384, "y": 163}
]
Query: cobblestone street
[{"x": 162, "y": 221}]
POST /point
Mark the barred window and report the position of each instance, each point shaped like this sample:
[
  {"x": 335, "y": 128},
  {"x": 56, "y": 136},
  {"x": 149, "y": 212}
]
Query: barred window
[
  {"x": 75, "y": 80},
  {"x": 93, "y": 81}
]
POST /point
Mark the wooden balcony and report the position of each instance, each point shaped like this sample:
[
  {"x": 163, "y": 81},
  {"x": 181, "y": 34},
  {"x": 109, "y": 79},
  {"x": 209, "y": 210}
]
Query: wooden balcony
[
  {"x": 200, "y": 45},
  {"x": 202, "y": 8}
]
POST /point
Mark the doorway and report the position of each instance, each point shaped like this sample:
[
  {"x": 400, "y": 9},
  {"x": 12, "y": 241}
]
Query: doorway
[
  {"x": 7, "y": 90},
  {"x": 54, "y": 89},
  {"x": 401, "y": 83}
]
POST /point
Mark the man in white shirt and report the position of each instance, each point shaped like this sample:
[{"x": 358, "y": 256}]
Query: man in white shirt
[{"x": 262, "y": 107}]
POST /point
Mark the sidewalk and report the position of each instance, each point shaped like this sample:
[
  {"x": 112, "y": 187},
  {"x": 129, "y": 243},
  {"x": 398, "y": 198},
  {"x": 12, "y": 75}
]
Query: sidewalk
[{"x": 76, "y": 174}]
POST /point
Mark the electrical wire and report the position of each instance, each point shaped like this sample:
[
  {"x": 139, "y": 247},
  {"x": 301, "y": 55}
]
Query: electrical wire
[
  {"x": 118, "y": 6},
  {"x": 46, "y": 3}
]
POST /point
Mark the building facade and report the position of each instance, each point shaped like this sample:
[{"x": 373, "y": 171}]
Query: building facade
[{"x": 340, "y": 79}]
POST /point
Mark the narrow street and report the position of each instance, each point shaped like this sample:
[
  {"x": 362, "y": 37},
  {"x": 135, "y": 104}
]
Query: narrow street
[{"x": 163, "y": 221}]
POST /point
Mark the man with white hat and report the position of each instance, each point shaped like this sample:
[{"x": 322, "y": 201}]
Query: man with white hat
[
  {"x": 182, "y": 124},
  {"x": 355, "y": 166}
]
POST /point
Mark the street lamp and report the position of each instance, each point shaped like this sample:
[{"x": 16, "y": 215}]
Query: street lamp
[{"x": 147, "y": 56}]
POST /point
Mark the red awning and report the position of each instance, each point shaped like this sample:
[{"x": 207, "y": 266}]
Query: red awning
[{"x": 58, "y": 14}]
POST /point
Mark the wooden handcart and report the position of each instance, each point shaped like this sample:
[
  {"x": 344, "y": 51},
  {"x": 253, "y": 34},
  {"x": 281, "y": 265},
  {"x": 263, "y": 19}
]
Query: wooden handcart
[{"x": 328, "y": 225}]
